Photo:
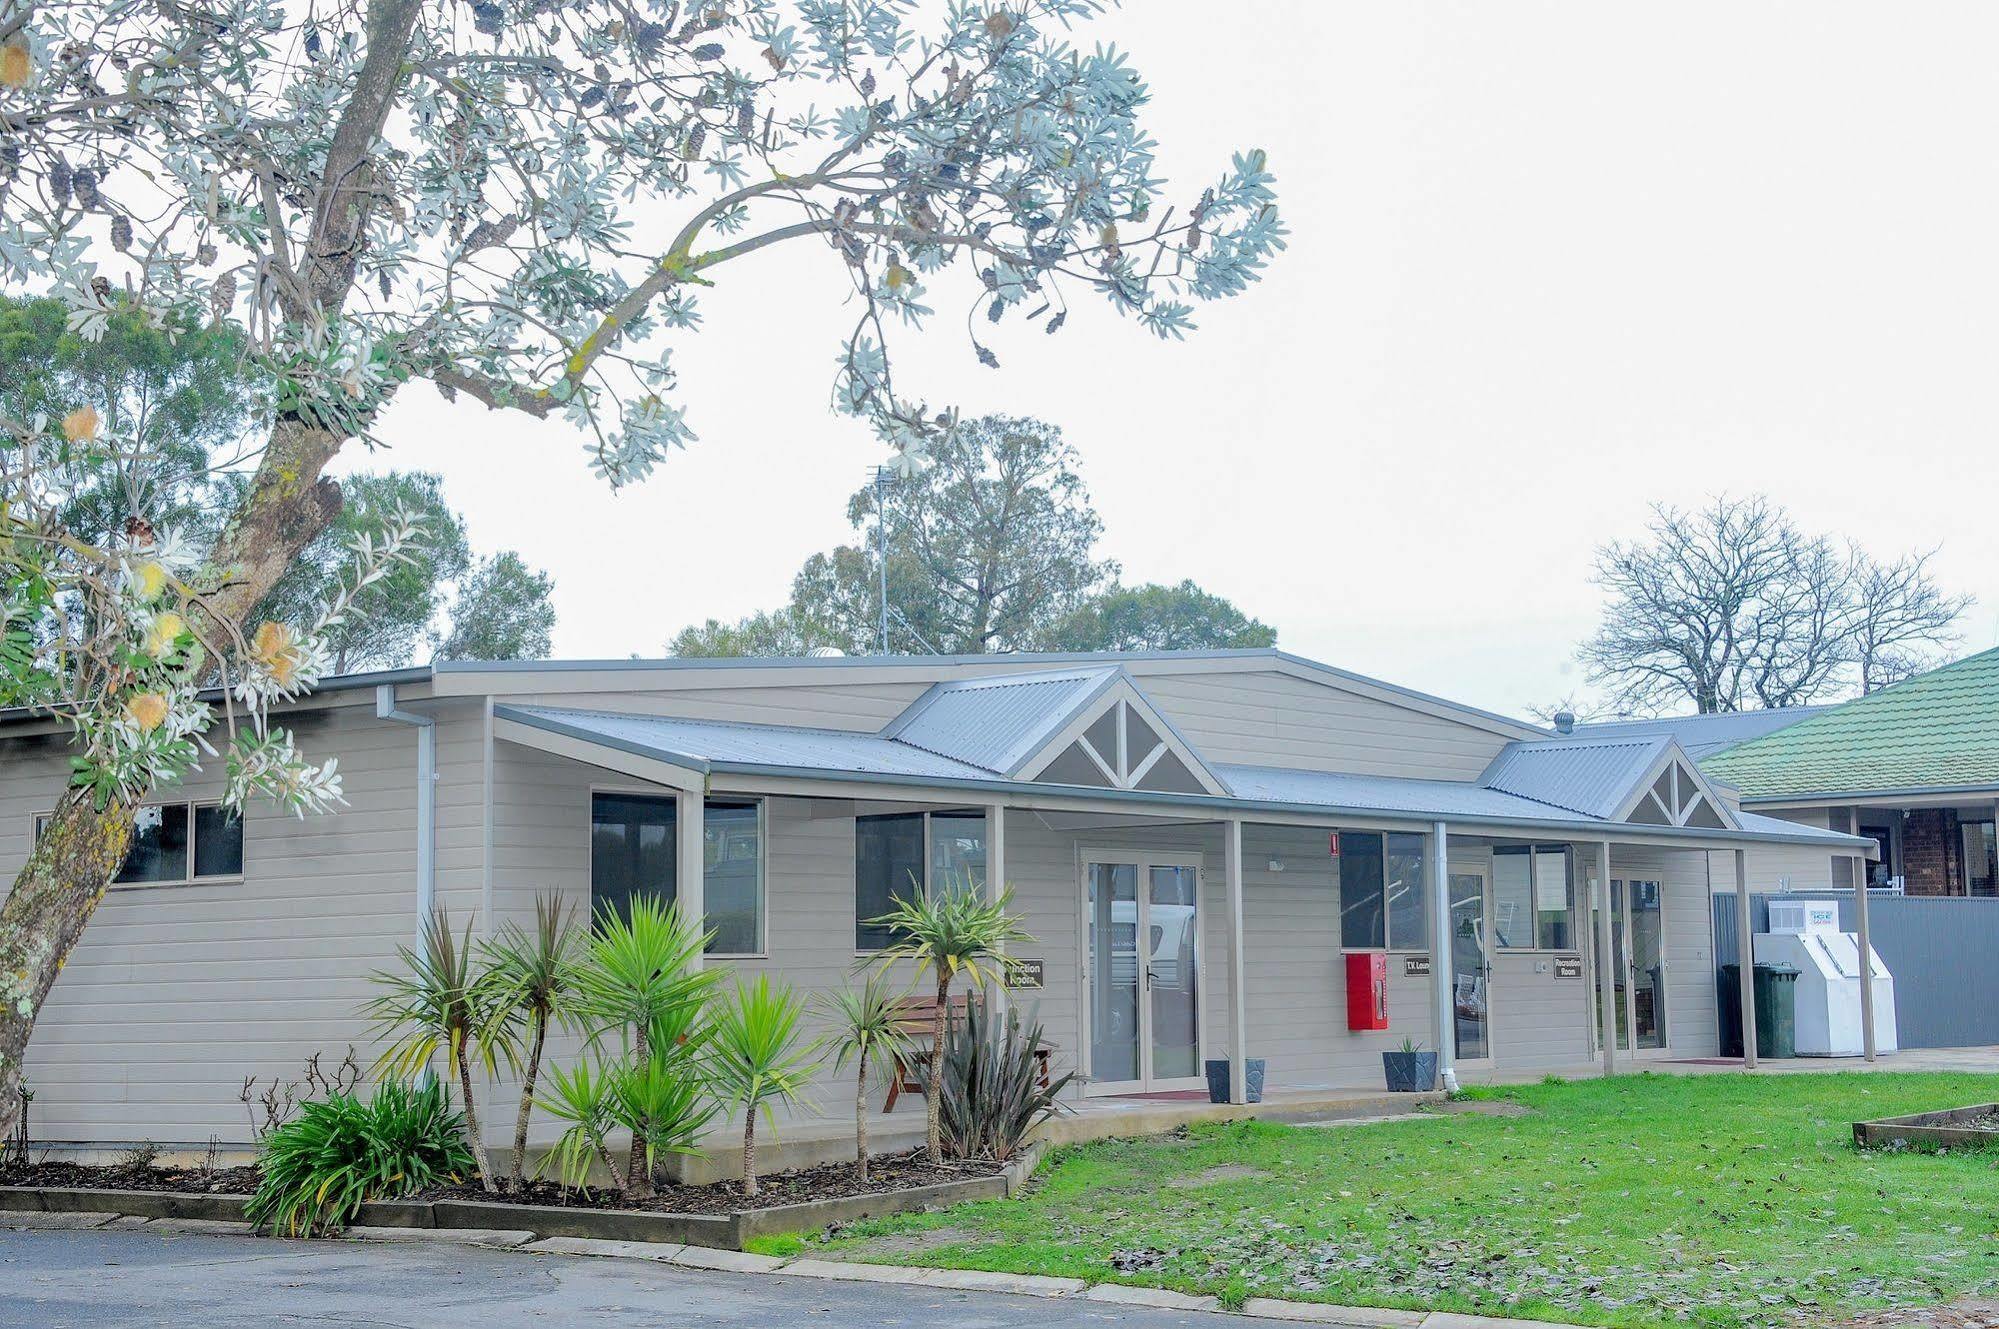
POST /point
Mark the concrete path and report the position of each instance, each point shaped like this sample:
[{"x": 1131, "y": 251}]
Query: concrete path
[{"x": 109, "y": 1278}]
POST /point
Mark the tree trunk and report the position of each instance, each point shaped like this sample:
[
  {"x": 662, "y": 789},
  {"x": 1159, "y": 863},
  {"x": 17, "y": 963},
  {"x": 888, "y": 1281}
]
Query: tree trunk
[
  {"x": 861, "y": 1119},
  {"x": 750, "y": 1150},
  {"x": 638, "y": 1170},
  {"x": 289, "y": 503},
  {"x": 527, "y": 1100},
  {"x": 472, "y": 1132},
  {"x": 933, "y": 1083},
  {"x": 42, "y": 917}
]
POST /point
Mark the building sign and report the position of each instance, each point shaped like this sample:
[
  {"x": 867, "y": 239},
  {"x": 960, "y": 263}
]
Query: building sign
[
  {"x": 1415, "y": 966},
  {"x": 1025, "y": 974},
  {"x": 1568, "y": 966}
]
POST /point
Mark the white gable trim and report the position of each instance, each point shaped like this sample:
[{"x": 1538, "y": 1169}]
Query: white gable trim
[
  {"x": 1689, "y": 788},
  {"x": 1122, "y": 768}
]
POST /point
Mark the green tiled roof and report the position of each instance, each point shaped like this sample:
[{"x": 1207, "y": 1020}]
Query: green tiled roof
[{"x": 1939, "y": 730}]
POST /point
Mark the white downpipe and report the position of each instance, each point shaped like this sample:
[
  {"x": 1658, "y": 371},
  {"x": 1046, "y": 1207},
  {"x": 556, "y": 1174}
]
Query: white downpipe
[
  {"x": 1441, "y": 986},
  {"x": 426, "y": 798}
]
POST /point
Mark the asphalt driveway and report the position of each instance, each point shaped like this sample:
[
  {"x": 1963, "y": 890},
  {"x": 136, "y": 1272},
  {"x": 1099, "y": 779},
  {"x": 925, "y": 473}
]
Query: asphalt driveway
[{"x": 108, "y": 1279}]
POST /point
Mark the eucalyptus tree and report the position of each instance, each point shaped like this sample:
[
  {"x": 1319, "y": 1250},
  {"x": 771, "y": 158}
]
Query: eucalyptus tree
[{"x": 521, "y": 203}]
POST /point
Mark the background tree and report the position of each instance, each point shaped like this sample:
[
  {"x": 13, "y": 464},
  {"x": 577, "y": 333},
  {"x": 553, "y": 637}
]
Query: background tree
[
  {"x": 1158, "y": 618},
  {"x": 176, "y": 388},
  {"x": 518, "y": 204},
  {"x": 1731, "y": 607},
  {"x": 505, "y": 610},
  {"x": 393, "y": 614},
  {"x": 991, "y": 547}
]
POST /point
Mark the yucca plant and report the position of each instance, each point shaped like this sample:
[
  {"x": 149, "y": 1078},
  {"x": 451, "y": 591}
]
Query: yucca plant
[
  {"x": 664, "y": 1102},
  {"x": 438, "y": 1003},
  {"x": 585, "y": 1098},
  {"x": 759, "y": 1057},
  {"x": 531, "y": 981},
  {"x": 638, "y": 984},
  {"x": 867, "y": 1031},
  {"x": 989, "y": 1084},
  {"x": 953, "y": 931},
  {"x": 319, "y": 1168}
]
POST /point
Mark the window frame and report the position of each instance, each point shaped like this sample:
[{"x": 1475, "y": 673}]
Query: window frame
[
  {"x": 672, "y": 796},
  {"x": 929, "y": 856},
  {"x": 37, "y": 820},
  {"x": 1571, "y": 884},
  {"x": 1388, "y": 946}
]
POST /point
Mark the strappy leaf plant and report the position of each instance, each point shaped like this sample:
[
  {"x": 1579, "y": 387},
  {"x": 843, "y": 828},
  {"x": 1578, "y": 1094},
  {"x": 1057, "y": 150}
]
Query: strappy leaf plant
[
  {"x": 866, "y": 1031},
  {"x": 759, "y": 1057}
]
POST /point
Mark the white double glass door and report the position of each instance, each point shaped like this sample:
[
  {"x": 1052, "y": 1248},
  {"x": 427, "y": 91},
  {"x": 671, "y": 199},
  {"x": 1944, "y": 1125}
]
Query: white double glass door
[{"x": 1142, "y": 973}]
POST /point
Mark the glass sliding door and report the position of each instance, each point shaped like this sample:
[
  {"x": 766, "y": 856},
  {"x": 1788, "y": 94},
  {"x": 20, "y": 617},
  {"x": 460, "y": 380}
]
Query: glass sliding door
[
  {"x": 1171, "y": 908},
  {"x": 1645, "y": 927},
  {"x": 1113, "y": 918},
  {"x": 1143, "y": 979},
  {"x": 1471, "y": 968}
]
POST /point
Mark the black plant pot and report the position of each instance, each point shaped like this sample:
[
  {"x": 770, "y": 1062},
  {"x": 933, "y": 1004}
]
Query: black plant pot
[
  {"x": 1218, "y": 1079},
  {"x": 1410, "y": 1072}
]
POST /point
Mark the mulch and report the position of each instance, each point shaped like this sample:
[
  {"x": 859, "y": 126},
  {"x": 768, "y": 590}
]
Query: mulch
[
  {"x": 132, "y": 1177},
  {"x": 889, "y": 1172},
  {"x": 829, "y": 1181}
]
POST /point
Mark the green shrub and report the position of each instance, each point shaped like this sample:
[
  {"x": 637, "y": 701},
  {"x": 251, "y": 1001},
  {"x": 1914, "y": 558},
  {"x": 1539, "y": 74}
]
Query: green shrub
[
  {"x": 990, "y": 1095},
  {"x": 318, "y": 1169}
]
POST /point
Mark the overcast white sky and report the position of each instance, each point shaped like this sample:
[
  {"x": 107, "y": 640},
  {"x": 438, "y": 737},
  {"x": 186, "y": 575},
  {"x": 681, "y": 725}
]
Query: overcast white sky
[{"x": 1549, "y": 263}]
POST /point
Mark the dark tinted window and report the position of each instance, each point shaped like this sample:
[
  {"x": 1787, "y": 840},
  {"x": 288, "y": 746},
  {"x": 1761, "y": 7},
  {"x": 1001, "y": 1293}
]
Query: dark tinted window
[
  {"x": 159, "y": 845},
  {"x": 218, "y": 842},
  {"x": 734, "y": 876},
  {"x": 1362, "y": 926},
  {"x": 888, "y": 866},
  {"x": 631, "y": 851}
]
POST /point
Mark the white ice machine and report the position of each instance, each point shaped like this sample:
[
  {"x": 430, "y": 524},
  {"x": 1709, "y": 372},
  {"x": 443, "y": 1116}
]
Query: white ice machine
[{"x": 1805, "y": 935}]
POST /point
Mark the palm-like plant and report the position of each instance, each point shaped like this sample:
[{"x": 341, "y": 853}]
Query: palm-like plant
[
  {"x": 532, "y": 978},
  {"x": 954, "y": 930},
  {"x": 638, "y": 981},
  {"x": 438, "y": 1004},
  {"x": 866, "y": 1030},
  {"x": 585, "y": 1098},
  {"x": 758, "y": 1057}
]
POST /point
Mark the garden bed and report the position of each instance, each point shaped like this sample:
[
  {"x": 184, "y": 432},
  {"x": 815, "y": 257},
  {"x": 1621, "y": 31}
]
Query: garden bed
[
  {"x": 1975, "y": 1127},
  {"x": 715, "y": 1216}
]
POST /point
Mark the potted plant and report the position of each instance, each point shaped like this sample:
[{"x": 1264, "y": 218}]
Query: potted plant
[
  {"x": 1410, "y": 1070},
  {"x": 1218, "y": 1079}
]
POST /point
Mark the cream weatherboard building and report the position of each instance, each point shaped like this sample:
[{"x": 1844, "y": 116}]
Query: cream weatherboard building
[{"x": 1204, "y": 847}]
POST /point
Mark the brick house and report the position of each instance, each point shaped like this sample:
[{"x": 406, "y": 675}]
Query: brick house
[{"x": 1915, "y": 766}]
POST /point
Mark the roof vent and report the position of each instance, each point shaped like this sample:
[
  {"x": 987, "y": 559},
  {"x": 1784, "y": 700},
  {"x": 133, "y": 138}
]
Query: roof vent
[{"x": 1565, "y": 722}]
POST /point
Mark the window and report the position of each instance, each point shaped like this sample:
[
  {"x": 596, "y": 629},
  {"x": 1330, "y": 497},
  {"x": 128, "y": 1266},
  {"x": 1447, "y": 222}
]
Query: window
[
  {"x": 1533, "y": 898},
  {"x": 1384, "y": 895},
  {"x": 161, "y": 853},
  {"x": 633, "y": 852},
  {"x": 907, "y": 852}
]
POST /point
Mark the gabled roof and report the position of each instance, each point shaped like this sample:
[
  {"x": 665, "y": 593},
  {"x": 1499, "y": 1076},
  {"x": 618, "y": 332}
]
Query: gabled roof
[
  {"x": 1937, "y": 732},
  {"x": 1704, "y": 735},
  {"x": 1641, "y": 778},
  {"x": 1001, "y": 721},
  {"x": 698, "y": 749}
]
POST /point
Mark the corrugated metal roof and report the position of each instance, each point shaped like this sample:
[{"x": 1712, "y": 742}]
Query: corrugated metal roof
[
  {"x": 998, "y": 722},
  {"x": 781, "y": 748},
  {"x": 1424, "y": 798},
  {"x": 1701, "y": 736},
  {"x": 1938, "y": 730},
  {"x": 707, "y": 741},
  {"x": 1593, "y": 776}
]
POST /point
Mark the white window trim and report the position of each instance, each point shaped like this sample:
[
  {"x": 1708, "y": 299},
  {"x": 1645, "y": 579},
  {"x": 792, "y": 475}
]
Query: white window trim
[
  {"x": 188, "y": 878},
  {"x": 655, "y": 793},
  {"x": 929, "y": 862},
  {"x": 1577, "y": 903}
]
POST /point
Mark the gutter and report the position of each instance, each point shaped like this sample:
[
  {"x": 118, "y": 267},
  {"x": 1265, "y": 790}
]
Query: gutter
[{"x": 426, "y": 797}]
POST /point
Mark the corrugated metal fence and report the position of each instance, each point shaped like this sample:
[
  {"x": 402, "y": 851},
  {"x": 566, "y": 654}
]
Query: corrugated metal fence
[{"x": 1943, "y": 952}]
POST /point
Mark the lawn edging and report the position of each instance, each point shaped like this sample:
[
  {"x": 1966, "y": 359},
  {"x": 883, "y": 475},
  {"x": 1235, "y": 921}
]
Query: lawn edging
[{"x": 728, "y": 1232}]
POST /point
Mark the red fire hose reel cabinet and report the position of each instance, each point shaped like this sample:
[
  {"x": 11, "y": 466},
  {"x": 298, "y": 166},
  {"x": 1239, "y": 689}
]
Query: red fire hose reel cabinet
[{"x": 1367, "y": 990}]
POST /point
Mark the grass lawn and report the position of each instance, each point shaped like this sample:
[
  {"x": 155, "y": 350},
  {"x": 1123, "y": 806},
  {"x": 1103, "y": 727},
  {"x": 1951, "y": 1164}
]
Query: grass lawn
[{"x": 1720, "y": 1199}]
